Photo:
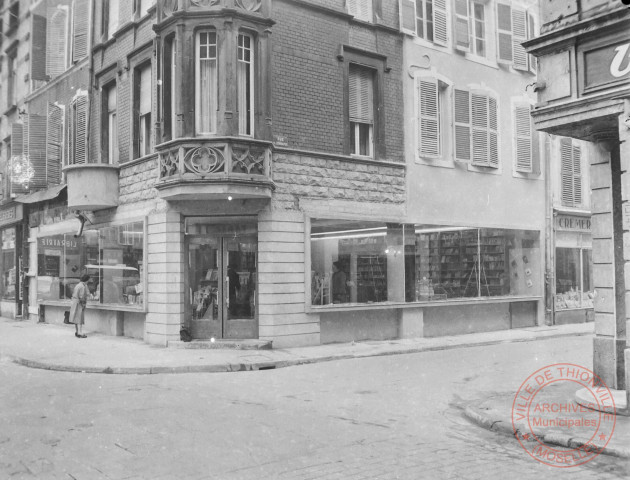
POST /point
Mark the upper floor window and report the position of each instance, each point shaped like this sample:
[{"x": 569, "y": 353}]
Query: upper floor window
[
  {"x": 143, "y": 107},
  {"x": 56, "y": 41},
  {"x": 570, "y": 173},
  {"x": 77, "y": 120},
  {"x": 169, "y": 67},
  {"x": 514, "y": 26},
  {"x": 12, "y": 74},
  {"x": 206, "y": 82},
  {"x": 431, "y": 116},
  {"x": 245, "y": 84},
  {"x": 426, "y": 19},
  {"x": 525, "y": 140},
  {"x": 361, "y": 110},
  {"x": 361, "y": 9},
  {"x": 14, "y": 16},
  {"x": 110, "y": 15},
  {"x": 478, "y": 29},
  {"x": 109, "y": 125},
  {"x": 141, "y": 7}
]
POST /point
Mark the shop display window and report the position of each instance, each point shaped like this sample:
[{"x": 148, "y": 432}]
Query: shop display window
[
  {"x": 390, "y": 262},
  {"x": 9, "y": 274},
  {"x": 574, "y": 272},
  {"x": 112, "y": 256}
]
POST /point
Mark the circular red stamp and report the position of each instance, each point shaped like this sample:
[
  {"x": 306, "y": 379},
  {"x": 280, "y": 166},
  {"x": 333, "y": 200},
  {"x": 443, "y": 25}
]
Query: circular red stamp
[{"x": 545, "y": 412}]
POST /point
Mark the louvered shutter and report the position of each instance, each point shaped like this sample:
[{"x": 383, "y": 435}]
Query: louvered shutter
[
  {"x": 440, "y": 32},
  {"x": 79, "y": 130},
  {"x": 361, "y": 9},
  {"x": 462, "y": 124},
  {"x": 17, "y": 149},
  {"x": 361, "y": 95},
  {"x": 566, "y": 172},
  {"x": 407, "y": 11},
  {"x": 531, "y": 33},
  {"x": 80, "y": 18},
  {"x": 519, "y": 35},
  {"x": 428, "y": 120},
  {"x": 523, "y": 139},
  {"x": 54, "y": 144},
  {"x": 462, "y": 35},
  {"x": 577, "y": 176},
  {"x": 479, "y": 111},
  {"x": 38, "y": 48},
  {"x": 37, "y": 149},
  {"x": 493, "y": 135},
  {"x": 504, "y": 33},
  {"x": 56, "y": 41},
  {"x": 25, "y": 128}
]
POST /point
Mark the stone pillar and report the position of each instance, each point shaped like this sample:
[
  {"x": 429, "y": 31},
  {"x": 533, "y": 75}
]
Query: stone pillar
[
  {"x": 395, "y": 263},
  {"x": 607, "y": 203},
  {"x": 166, "y": 282}
]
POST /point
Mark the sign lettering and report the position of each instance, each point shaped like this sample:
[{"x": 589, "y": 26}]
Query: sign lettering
[
  {"x": 621, "y": 55},
  {"x": 573, "y": 223}
]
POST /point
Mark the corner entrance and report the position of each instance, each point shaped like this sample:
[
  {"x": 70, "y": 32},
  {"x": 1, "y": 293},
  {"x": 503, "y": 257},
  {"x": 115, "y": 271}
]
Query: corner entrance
[{"x": 222, "y": 294}]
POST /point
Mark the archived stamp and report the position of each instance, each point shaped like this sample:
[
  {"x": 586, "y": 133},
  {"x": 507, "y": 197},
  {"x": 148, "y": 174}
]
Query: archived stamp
[{"x": 544, "y": 412}]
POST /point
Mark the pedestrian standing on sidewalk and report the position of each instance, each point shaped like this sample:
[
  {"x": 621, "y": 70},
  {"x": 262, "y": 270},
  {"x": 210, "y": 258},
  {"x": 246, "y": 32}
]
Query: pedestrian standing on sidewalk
[{"x": 77, "y": 309}]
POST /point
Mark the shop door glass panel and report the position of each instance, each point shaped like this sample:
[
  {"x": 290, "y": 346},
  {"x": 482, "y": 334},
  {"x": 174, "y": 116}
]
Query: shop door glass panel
[
  {"x": 240, "y": 311},
  {"x": 204, "y": 275}
]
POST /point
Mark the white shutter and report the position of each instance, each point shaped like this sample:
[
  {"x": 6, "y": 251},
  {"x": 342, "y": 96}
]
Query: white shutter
[
  {"x": 37, "y": 149},
  {"x": 577, "y": 176},
  {"x": 38, "y": 48},
  {"x": 462, "y": 124},
  {"x": 80, "y": 19},
  {"x": 493, "y": 135},
  {"x": 566, "y": 172},
  {"x": 361, "y": 9},
  {"x": 479, "y": 114},
  {"x": 462, "y": 34},
  {"x": 56, "y": 40},
  {"x": 54, "y": 144},
  {"x": 504, "y": 32},
  {"x": 440, "y": 31},
  {"x": 17, "y": 139},
  {"x": 519, "y": 35},
  {"x": 145, "y": 90},
  {"x": 407, "y": 13},
  {"x": 79, "y": 130},
  {"x": 531, "y": 33},
  {"x": 523, "y": 139},
  {"x": 428, "y": 120},
  {"x": 361, "y": 95}
]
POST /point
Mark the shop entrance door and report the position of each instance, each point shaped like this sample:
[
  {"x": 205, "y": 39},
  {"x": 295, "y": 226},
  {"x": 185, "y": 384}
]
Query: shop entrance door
[{"x": 222, "y": 283}]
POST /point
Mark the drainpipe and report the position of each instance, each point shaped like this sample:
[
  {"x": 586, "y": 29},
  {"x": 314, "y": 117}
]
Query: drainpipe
[{"x": 549, "y": 236}]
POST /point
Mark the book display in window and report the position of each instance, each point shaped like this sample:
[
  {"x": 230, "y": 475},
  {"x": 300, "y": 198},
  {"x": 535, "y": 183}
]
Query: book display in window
[
  {"x": 371, "y": 278},
  {"x": 488, "y": 277},
  {"x": 438, "y": 256}
]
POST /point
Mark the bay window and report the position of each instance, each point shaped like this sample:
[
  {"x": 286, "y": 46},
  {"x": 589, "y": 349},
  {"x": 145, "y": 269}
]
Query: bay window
[
  {"x": 245, "y": 84},
  {"x": 206, "y": 81}
]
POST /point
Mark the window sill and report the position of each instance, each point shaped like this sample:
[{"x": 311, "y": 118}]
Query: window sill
[
  {"x": 339, "y": 307},
  {"x": 426, "y": 43},
  {"x": 486, "y": 170},
  {"x": 440, "y": 162},
  {"x": 481, "y": 60}
]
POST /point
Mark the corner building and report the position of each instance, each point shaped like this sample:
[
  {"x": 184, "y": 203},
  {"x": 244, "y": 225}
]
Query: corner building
[{"x": 214, "y": 140}]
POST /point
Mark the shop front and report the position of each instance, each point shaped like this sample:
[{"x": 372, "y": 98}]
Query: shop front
[
  {"x": 574, "y": 293},
  {"x": 11, "y": 283},
  {"x": 222, "y": 258}
]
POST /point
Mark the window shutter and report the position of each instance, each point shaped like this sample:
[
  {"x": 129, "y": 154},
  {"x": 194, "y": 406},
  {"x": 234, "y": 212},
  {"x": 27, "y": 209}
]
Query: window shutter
[
  {"x": 577, "y": 176},
  {"x": 361, "y": 95},
  {"x": 519, "y": 35},
  {"x": 462, "y": 125},
  {"x": 462, "y": 35},
  {"x": 37, "y": 149},
  {"x": 56, "y": 41},
  {"x": 361, "y": 9},
  {"x": 25, "y": 128},
  {"x": 440, "y": 33},
  {"x": 479, "y": 109},
  {"x": 17, "y": 139},
  {"x": 80, "y": 17},
  {"x": 504, "y": 31},
  {"x": 79, "y": 130},
  {"x": 523, "y": 139},
  {"x": 407, "y": 11},
  {"x": 38, "y": 48},
  {"x": 566, "y": 172},
  {"x": 531, "y": 33},
  {"x": 428, "y": 120},
  {"x": 54, "y": 144},
  {"x": 493, "y": 135}
]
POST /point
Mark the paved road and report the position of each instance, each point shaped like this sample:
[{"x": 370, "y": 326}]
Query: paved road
[{"x": 395, "y": 417}]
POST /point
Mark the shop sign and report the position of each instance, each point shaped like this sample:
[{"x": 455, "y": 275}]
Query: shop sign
[
  {"x": 609, "y": 64},
  {"x": 57, "y": 241},
  {"x": 10, "y": 215},
  {"x": 573, "y": 223}
]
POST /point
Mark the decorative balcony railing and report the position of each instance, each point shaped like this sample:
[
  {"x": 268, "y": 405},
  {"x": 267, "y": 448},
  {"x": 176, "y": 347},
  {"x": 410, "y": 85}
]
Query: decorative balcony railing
[
  {"x": 215, "y": 167},
  {"x": 169, "y": 7}
]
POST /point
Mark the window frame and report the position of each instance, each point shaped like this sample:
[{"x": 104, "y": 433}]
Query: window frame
[
  {"x": 251, "y": 97},
  {"x": 575, "y": 178},
  {"x": 473, "y": 28},
  {"x": 356, "y": 127},
  {"x": 213, "y": 114},
  {"x": 444, "y": 119},
  {"x": 109, "y": 138},
  {"x": 142, "y": 132}
]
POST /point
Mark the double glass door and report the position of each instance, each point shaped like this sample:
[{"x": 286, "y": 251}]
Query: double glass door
[{"x": 222, "y": 282}]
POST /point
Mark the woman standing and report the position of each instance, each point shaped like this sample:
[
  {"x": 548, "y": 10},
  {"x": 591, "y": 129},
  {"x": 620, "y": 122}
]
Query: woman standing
[{"x": 77, "y": 310}]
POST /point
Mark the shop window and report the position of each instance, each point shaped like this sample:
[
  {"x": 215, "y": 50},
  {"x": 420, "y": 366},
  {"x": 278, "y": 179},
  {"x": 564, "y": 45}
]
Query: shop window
[
  {"x": 574, "y": 273},
  {"x": 206, "y": 82},
  {"x": 142, "y": 100},
  {"x": 360, "y": 9},
  {"x": 459, "y": 262},
  {"x": 361, "y": 110},
  {"x": 426, "y": 19},
  {"x": 9, "y": 274},
  {"x": 570, "y": 173},
  {"x": 245, "y": 84},
  {"x": 112, "y": 256},
  {"x": 109, "y": 125}
]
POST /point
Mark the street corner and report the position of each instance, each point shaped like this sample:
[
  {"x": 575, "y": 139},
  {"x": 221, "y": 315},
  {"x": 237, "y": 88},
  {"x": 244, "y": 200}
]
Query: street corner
[{"x": 490, "y": 416}]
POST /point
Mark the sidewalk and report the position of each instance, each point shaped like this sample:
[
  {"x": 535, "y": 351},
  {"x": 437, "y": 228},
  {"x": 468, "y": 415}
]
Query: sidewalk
[{"x": 54, "y": 347}]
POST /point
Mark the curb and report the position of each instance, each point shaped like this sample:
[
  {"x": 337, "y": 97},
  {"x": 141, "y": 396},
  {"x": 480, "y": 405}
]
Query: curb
[
  {"x": 275, "y": 364},
  {"x": 560, "y": 439}
]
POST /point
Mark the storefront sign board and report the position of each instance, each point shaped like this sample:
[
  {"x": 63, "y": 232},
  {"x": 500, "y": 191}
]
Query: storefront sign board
[
  {"x": 605, "y": 65},
  {"x": 573, "y": 223},
  {"x": 12, "y": 214}
]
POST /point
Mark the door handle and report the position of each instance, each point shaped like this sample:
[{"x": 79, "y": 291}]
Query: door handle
[{"x": 227, "y": 290}]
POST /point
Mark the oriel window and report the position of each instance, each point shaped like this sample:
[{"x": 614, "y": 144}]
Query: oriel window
[
  {"x": 206, "y": 82},
  {"x": 245, "y": 79}
]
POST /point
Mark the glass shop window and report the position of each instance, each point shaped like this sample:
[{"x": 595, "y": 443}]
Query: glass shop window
[
  {"x": 574, "y": 273},
  {"x": 112, "y": 256},
  {"x": 9, "y": 273}
]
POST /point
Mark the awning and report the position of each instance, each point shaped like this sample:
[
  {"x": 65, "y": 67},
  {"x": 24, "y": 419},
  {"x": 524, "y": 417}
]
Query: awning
[{"x": 41, "y": 196}]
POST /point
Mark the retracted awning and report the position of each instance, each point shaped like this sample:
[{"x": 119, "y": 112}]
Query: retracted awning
[{"x": 41, "y": 196}]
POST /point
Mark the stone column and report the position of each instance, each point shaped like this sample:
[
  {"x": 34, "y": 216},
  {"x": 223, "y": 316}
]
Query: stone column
[{"x": 166, "y": 283}]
